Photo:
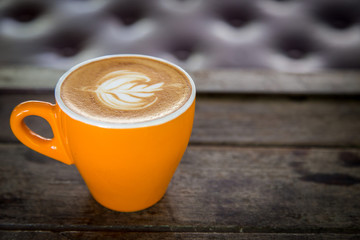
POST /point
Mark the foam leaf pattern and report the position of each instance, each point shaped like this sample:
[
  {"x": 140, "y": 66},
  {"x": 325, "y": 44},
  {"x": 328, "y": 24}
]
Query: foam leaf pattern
[{"x": 127, "y": 90}]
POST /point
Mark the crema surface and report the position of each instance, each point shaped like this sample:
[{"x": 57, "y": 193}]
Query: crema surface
[{"x": 125, "y": 90}]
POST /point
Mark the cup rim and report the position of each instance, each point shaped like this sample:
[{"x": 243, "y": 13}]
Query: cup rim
[{"x": 148, "y": 123}]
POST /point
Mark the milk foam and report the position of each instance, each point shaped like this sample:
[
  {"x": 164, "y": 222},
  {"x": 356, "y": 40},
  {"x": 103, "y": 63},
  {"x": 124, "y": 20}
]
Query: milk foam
[{"x": 126, "y": 90}]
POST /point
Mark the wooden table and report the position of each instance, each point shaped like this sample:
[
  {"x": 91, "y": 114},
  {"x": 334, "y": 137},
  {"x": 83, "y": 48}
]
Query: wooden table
[{"x": 272, "y": 156}]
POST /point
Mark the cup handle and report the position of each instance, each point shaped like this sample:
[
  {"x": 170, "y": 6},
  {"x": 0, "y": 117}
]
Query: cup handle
[{"x": 53, "y": 147}]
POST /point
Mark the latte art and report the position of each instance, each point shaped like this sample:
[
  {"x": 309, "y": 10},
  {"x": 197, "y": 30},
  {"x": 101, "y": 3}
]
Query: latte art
[{"x": 127, "y": 90}]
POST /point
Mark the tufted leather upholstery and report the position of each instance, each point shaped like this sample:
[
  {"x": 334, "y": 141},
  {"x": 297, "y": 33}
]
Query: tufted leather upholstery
[{"x": 288, "y": 35}]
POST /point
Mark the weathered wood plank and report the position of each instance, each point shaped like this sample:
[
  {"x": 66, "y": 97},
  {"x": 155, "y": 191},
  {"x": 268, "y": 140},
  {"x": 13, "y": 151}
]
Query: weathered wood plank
[
  {"x": 28, "y": 77},
  {"x": 264, "y": 121},
  {"x": 272, "y": 82},
  {"x": 220, "y": 80},
  {"x": 277, "y": 121},
  {"x": 40, "y": 235},
  {"x": 215, "y": 189}
]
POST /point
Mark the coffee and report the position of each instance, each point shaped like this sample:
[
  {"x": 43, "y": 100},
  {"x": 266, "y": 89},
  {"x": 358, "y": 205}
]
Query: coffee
[{"x": 127, "y": 89}]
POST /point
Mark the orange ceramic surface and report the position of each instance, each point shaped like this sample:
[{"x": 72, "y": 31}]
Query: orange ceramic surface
[{"x": 124, "y": 169}]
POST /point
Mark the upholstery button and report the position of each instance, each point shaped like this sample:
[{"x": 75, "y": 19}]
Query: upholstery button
[
  {"x": 68, "y": 43},
  {"x": 128, "y": 13},
  {"x": 25, "y": 12},
  {"x": 236, "y": 15},
  {"x": 182, "y": 49},
  {"x": 182, "y": 54},
  {"x": 68, "y": 51},
  {"x": 296, "y": 45},
  {"x": 340, "y": 23},
  {"x": 295, "y": 53},
  {"x": 235, "y": 18},
  {"x": 338, "y": 14}
]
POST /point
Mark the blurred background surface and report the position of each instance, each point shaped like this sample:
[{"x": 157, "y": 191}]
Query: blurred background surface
[{"x": 284, "y": 35}]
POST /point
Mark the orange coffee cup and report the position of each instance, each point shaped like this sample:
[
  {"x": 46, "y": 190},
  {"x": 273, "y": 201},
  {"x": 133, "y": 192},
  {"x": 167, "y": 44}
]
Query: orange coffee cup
[{"x": 126, "y": 167}]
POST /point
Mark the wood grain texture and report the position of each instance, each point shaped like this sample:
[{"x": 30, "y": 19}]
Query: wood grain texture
[
  {"x": 246, "y": 120},
  {"x": 273, "y": 82},
  {"x": 211, "y": 81},
  {"x": 277, "y": 121},
  {"x": 215, "y": 189}
]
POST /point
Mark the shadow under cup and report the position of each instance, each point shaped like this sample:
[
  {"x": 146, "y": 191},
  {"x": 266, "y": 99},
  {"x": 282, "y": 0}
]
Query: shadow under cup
[{"x": 127, "y": 167}]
